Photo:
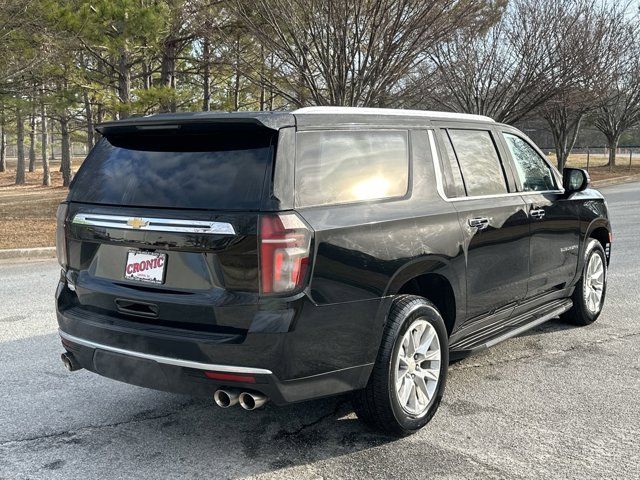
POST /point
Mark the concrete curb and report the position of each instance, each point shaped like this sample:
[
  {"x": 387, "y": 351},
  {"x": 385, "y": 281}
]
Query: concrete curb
[
  {"x": 26, "y": 253},
  {"x": 615, "y": 181}
]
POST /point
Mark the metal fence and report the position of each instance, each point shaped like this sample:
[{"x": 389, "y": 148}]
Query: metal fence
[
  {"x": 77, "y": 150},
  {"x": 598, "y": 157}
]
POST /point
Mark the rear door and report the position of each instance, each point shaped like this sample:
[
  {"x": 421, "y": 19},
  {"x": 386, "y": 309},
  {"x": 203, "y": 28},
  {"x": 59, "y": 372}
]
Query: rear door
[
  {"x": 493, "y": 220},
  {"x": 554, "y": 223},
  {"x": 163, "y": 225}
]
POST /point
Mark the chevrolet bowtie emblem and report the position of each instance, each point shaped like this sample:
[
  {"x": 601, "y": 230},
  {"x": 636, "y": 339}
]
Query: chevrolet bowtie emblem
[{"x": 137, "y": 223}]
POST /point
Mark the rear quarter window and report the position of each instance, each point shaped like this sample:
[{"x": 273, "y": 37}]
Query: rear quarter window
[{"x": 334, "y": 167}]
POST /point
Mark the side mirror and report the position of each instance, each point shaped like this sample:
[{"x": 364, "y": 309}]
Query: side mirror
[{"x": 575, "y": 180}]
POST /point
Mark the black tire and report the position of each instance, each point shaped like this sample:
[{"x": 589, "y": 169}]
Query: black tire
[
  {"x": 580, "y": 314},
  {"x": 378, "y": 403}
]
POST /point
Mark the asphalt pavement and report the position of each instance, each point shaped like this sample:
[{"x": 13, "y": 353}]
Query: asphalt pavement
[{"x": 556, "y": 402}]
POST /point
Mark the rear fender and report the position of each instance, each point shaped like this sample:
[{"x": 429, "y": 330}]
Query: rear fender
[{"x": 431, "y": 265}]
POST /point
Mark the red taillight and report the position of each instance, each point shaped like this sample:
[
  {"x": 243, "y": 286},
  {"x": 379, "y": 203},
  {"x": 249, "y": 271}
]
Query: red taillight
[
  {"x": 285, "y": 241},
  {"x": 230, "y": 377},
  {"x": 61, "y": 238}
]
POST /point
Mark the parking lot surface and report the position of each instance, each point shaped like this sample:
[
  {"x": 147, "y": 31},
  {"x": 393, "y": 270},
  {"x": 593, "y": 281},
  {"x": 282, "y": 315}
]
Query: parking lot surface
[{"x": 556, "y": 402}]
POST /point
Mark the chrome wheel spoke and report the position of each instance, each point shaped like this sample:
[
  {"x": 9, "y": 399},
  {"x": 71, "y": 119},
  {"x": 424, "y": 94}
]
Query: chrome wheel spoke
[
  {"x": 422, "y": 391},
  {"x": 405, "y": 391},
  {"x": 430, "y": 355},
  {"x": 402, "y": 374},
  {"x": 424, "y": 346},
  {"x": 429, "y": 374},
  {"x": 407, "y": 345},
  {"x": 412, "y": 399},
  {"x": 416, "y": 336}
]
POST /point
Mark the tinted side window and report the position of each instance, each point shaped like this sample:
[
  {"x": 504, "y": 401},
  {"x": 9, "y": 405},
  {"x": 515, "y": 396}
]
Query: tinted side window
[
  {"x": 479, "y": 162},
  {"x": 534, "y": 173},
  {"x": 350, "y": 166},
  {"x": 454, "y": 185}
]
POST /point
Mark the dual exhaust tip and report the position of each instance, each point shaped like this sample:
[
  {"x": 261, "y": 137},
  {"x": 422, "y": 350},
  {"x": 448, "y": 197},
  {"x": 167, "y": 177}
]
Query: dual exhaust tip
[
  {"x": 223, "y": 398},
  {"x": 70, "y": 362},
  {"x": 247, "y": 400}
]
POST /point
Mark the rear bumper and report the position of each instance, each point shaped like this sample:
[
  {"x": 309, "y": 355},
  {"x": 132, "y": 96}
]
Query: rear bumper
[
  {"x": 185, "y": 377},
  {"x": 328, "y": 350}
]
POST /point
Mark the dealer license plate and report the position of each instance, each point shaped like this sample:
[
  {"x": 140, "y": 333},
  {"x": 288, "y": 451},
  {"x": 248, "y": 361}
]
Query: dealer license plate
[{"x": 145, "y": 266}]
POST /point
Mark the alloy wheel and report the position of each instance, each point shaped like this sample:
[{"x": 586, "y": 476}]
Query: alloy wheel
[
  {"x": 594, "y": 278},
  {"x": 417, "y": 367}
]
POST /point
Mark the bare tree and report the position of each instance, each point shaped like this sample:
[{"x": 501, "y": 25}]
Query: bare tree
[
  {"x": 517, "y": 66},
  {"x": 600, "y": 37},
  {"x": 564, "y": 115},
  {"x": 621, "y": 111},
  {"x": 354, "y": 53}
]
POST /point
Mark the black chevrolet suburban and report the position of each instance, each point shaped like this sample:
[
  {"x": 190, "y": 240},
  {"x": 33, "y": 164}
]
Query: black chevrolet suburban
[{"x": 287, "y": 256}]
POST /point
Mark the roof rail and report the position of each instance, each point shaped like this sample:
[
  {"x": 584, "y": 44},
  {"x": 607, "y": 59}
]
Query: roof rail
[{"x": 391, "y": 111}]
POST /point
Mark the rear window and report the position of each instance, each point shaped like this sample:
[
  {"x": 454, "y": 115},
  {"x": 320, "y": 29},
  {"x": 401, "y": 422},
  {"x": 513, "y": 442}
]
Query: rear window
[
  {"x": 218, "y": 170},
  {"x": 335, "y": 167}
]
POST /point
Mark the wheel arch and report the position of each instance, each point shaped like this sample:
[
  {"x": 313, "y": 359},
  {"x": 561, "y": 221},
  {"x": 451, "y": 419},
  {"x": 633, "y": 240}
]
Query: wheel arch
[
  {"x": 599, "y": 229},
  {"x": 433, "y": 279}
]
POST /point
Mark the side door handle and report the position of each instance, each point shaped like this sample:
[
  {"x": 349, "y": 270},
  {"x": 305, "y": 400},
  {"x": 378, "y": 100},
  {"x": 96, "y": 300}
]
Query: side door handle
[
  {"x": 480, "y": 223},
  {"x": 537, "y": 213}
]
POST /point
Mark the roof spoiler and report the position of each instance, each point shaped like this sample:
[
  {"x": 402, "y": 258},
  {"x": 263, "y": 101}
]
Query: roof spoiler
[{"x": 197, "y": 121}]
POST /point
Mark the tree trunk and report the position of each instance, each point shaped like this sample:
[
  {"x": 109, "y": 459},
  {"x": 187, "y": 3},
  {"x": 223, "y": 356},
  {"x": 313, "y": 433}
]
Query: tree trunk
[
  {"x": 271, "y": 90},
  {"x": 32, "y": 134},
  {"x": 20, "y": 173},
  {"x": 66, "y": 150},
  {"x": 262, "y": 87},
  {"x": 124, "y": 84},
  {"x": 88, "y": 111},
  {"x": 3, "y": 142},
  {"x": 99, "y": 120},
  {"x": 168, "y": 74},
  {"x": 560, "y": 157},
  {"x": 146, "y": 75},
  {"x": 612, "y": 146},
  {"x": 206, "y": 74},
  {"x": 236, "y": 82},
  {"x": 46, "y": 176}
]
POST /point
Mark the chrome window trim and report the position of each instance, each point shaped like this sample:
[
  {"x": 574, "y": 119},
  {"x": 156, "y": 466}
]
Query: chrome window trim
[
  {"x": 152, "y": 224},
  {"x": 166, "y": 360},
  {"x": 440, "y": 185}
]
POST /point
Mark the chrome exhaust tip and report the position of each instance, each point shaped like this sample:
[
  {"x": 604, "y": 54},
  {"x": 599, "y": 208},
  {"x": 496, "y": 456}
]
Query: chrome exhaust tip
[
  {"x": 252, "y": 400},
  {"x": 225, "y": 398},
  {"x": 70, "y": 362}
]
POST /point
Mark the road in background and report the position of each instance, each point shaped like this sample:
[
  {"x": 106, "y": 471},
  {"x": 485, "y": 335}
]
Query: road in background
[{"x": 556, "y": 402}]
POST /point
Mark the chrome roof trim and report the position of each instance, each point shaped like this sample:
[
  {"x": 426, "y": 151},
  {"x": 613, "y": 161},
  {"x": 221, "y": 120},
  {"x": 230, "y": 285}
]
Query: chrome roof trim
[{"x": 392, "y": 111}]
